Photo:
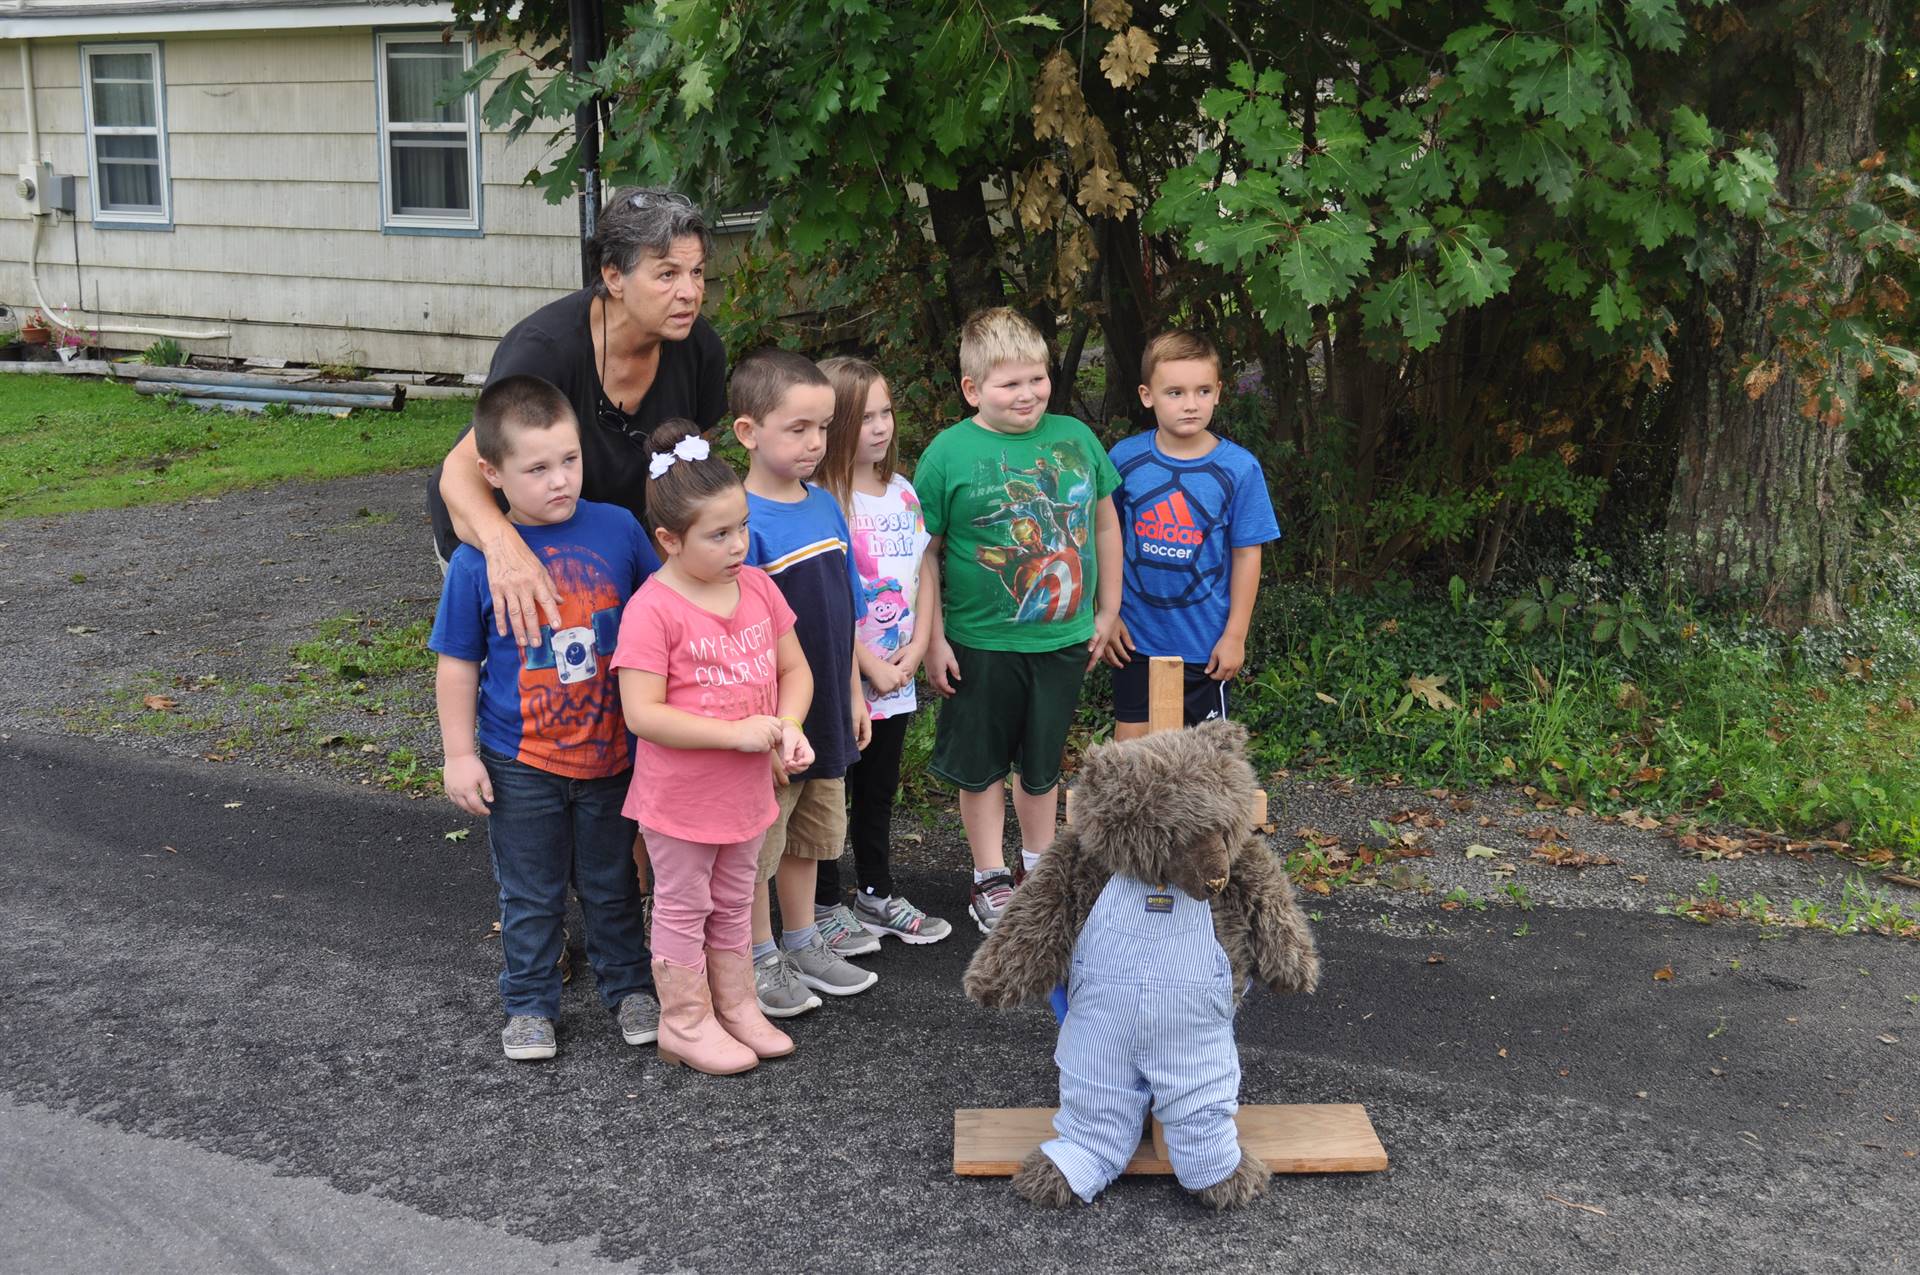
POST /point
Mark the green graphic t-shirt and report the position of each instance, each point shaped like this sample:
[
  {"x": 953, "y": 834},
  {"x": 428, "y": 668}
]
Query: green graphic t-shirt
[{"x": 1019, "y": 571}]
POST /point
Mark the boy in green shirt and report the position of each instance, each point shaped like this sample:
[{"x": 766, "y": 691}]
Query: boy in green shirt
[{"x": 1019, "y": 503}]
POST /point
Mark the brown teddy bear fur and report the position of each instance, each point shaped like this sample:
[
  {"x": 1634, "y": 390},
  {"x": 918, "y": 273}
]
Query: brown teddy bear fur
[{"x": 1170, "y": 808}]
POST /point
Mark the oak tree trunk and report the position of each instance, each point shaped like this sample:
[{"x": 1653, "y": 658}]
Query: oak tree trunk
[{"x": 1763, "y": 503}]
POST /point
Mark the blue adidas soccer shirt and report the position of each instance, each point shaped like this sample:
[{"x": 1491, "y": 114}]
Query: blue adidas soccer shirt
[{"x": 1180, "y": 521}]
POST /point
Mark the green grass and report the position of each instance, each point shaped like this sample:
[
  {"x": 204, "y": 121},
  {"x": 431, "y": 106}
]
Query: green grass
[
  {"x": 68, "y": 444},
  {"x": 1710, "y": 716}
]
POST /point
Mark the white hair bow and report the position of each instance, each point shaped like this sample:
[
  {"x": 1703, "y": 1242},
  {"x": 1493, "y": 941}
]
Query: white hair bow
[{"x": 692, "y": 447}]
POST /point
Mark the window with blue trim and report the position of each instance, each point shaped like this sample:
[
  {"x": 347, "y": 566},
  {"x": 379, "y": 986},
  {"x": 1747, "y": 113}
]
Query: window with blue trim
[
  {"x": 126, "y": 132},
  {"x": 429, "y": 140}
]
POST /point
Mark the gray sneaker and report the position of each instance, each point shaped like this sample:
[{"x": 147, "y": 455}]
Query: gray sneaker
[
  {"x": 843, "y": 932},
  {"x": 639, "y": 1017},
  {"x": 899, "y": 918},
  {"x": 990, "y": 898},
  {"x": 821, "y": 970},
  {"x": 527, "y": 1038},
  {"x": 776, "y": 985}
]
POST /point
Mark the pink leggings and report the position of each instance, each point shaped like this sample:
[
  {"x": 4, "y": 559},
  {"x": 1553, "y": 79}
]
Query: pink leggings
[{"x": 702, "y": 897}]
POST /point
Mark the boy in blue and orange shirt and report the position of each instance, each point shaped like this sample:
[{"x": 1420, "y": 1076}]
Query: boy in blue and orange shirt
[{"x": 535, "y": 740}]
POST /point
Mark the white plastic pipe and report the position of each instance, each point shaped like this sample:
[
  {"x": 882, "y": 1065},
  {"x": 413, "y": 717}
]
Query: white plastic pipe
[{"x": 33, "y": 274}]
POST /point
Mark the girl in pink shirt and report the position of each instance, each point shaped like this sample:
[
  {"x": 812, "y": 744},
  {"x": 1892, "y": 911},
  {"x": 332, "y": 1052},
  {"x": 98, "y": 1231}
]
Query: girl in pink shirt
[{"x": 714, "y": 686}]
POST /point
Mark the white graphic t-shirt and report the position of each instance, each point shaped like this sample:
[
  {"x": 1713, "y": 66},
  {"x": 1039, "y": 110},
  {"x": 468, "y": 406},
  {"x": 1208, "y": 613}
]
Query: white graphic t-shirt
[{"x": 889, "y": 538}]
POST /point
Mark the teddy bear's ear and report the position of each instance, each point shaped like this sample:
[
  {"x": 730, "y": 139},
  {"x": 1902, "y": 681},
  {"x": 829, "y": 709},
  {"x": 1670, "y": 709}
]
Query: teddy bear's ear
[{"x": 1228, "y": 737}]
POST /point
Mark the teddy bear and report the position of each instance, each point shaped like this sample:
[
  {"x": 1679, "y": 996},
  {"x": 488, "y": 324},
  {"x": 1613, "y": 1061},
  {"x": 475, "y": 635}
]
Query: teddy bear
[{"x": 1157, "y": 908}]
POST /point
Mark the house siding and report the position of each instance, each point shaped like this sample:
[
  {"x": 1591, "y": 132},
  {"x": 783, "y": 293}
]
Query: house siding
[{"x": 276, "y": 233}]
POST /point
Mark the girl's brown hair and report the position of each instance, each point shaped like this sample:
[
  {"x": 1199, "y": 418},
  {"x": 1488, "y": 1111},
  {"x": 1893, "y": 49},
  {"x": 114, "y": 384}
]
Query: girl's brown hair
[
  {"x": 852, "y": 381},
  {"x": 675, "y": 497}
]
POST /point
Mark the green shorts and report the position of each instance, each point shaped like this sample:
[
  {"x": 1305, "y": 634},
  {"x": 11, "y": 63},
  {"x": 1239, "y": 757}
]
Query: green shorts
[{"x": 1011, "y": 711}]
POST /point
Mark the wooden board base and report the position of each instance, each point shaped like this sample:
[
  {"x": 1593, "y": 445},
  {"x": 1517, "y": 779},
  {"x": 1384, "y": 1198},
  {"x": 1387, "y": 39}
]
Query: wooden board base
[{"x": 1291, "y": 1138}]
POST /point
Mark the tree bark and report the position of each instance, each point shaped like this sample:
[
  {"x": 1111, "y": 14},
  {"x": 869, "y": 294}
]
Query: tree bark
[
  {"x": 965, "y": 235},
  {"x": 1763, "y": 503}
]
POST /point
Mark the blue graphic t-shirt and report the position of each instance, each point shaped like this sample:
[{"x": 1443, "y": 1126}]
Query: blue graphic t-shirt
[
  {"x": 556, "y": 706},
  {"x": 1180, "y": 521},
  {"x": 805, "y": 546}
]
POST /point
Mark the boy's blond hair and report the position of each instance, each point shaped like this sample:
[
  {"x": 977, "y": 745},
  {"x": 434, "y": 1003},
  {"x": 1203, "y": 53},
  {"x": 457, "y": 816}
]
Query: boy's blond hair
[
  {"x": 1000, "y": 335},
  {"x": 1177, "y": 346}
]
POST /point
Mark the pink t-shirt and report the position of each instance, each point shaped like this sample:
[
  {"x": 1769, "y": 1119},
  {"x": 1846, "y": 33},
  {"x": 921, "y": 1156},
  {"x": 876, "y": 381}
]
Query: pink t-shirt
[{"x": 720, "y": 666}]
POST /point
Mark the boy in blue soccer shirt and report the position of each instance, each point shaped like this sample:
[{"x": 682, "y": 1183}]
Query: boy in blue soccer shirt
[
  {"x": 1194, "y": 511},
  {"x": 535, "y": 740}
]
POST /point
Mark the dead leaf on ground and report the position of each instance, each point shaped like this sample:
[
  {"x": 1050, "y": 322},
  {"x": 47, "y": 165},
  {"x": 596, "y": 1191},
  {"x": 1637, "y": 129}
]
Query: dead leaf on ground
[
  {"x": 1482, "y": 852},
  {"x": 1594, "y": 1209},
  {"x": 1664, "y": 974},
  {"x": 1434, "y": 958},
  {"x": 79, "y": 629},
  {"x": 160, "y": 703},
  {"x": 1428, "y": 689},
  {"x": 1568, "y": 857},
  {"x": 235, "y": 805},
  {"x": 1887, "y": 1038},
  {"x": 1545, "y": 832}
]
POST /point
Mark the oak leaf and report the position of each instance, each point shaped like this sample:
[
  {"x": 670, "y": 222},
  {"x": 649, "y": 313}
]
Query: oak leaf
[
  {"x": 1428, "y": 689},
  {"x": 1128, "y": 56}
]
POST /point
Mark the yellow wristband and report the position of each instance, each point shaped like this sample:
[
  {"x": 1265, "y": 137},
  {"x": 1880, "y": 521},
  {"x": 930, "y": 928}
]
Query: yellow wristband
[{"x": 799, "y": 726}]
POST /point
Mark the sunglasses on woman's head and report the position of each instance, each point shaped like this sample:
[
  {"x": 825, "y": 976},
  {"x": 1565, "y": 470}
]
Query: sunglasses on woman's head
[{"x": 643, "y": 199}]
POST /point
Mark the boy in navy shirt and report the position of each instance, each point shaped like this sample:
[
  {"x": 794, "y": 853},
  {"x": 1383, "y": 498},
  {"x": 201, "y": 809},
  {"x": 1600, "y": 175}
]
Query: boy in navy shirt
[
  {"x": 797, "y": 534},
  {"x": 534, "y": 738},
  {"x": 1194, "y": 511}
]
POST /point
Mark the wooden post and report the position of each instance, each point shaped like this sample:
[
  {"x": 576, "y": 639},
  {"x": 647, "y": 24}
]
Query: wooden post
[{"x": 1166, "y": 693}]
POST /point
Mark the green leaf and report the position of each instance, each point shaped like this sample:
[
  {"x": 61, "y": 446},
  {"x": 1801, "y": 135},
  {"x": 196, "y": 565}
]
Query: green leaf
[
  {"x": 1629, "y": 640},
  {"x": 1655, "y": 24},
  {"x": 1602, "y": 630},
  {"x": 696, "y": 87},
  {"x": 1690, "y": 127},
  {"x": 1606, "y": 308},
  {"x": 1472, "y": 269},
  {"x": 1688, "y": 169},
  {"x": 1040, "y": 20}
]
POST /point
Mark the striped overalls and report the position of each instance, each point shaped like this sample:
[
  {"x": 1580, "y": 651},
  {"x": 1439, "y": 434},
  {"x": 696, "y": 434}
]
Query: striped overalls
[{"x": 1149, "y": 1021}]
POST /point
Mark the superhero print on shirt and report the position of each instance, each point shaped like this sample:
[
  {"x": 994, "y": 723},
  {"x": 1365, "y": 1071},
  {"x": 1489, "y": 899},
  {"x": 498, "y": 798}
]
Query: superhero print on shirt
[
  {"x": 1045, "y": 511},
  {"x": 567, "y": 694}
]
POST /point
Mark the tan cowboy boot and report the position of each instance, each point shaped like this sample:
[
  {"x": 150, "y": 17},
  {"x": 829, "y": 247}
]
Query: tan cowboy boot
[
  {"x": 730, "y": 975},
  {"x": 689, "y": 1033}
]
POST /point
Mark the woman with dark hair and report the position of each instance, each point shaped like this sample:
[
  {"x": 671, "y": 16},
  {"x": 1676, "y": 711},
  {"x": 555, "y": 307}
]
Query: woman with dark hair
[{"x": 629, "y": 351}]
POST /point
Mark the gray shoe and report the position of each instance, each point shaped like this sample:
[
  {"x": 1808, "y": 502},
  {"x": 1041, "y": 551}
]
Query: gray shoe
[
  {"x": 990, "y": 898},
  {"x": 899, "y": 918},
  {"x": 843, "y": 932},
  {"x": 639, "y": 1017},
  {"x": 821, "y": 970},
  {"x": 776, "y": 985},
  {"x": 527, "y": 1038}
]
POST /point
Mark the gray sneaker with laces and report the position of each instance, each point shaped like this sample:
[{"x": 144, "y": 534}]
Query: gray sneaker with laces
[
  {"x": 843, "y": 932},
  {"x": 776, "y": 985},
  {"x": 639, "y": 1018},
  {"x": 821, "y": 970},
  {"x": 526, "y": 1038},
  {"x": 990, "y": 898},
  {"x": 899, "y": 918}
]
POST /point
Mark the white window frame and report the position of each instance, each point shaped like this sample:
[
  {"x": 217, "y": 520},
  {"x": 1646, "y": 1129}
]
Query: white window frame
[
  {"x": 390, "y": 220},
  {"x": 103, "y": 215}
]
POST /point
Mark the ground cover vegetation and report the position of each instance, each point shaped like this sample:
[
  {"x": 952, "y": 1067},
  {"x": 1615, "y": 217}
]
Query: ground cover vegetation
[
  {"x": 1576, "y": 337},
  {"x": 68, "y": 444}
]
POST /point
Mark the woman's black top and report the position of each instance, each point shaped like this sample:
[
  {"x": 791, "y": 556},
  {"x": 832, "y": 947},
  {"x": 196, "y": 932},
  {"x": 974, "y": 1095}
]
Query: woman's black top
[{"x": 555, "y": 343}]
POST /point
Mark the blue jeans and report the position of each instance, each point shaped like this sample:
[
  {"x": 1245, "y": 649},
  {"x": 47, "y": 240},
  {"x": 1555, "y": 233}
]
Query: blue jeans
[{"x": 545, "y": 830}]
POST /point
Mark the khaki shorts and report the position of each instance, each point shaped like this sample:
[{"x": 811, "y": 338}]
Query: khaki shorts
[{"x": 812, "y": 823}]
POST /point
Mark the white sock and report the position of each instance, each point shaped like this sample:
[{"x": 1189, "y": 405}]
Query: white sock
[
  {"x": 1028, "y": 859},
  {"x": 981, "y": 874}
]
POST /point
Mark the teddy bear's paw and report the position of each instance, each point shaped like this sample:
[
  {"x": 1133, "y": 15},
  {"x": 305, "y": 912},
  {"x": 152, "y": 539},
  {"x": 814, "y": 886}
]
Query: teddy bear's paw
[
  {"x": 1243, "y": 1186},
  {"x": 1040, "y": 1182}
]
